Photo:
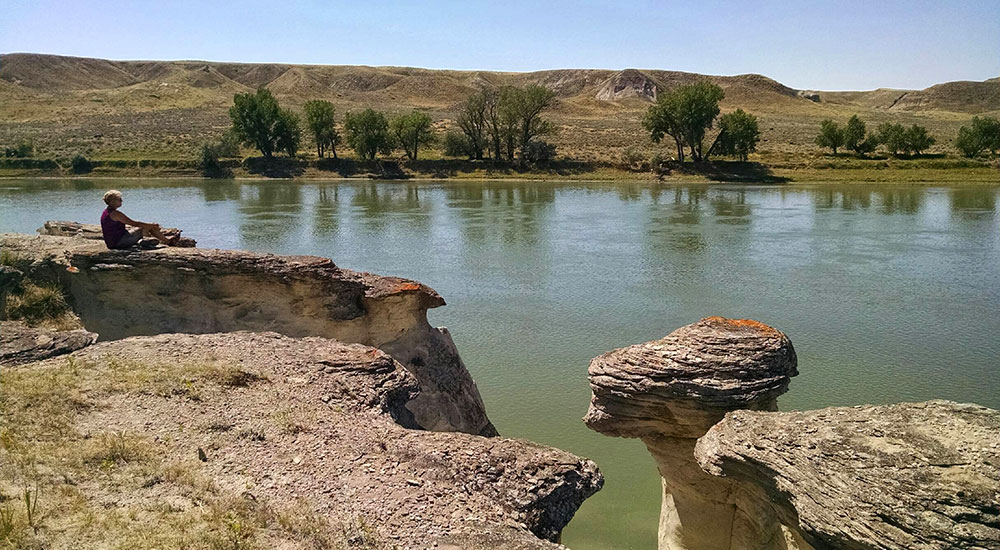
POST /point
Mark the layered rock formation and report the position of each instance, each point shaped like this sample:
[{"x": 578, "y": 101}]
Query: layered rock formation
[
  {"x": 91, "y": 231},
  {"x": 668, "y": 393},
  {"x": 21, "y": 344},
  {"x": 120, "y": 293},
  {"x": 899, "y": 477},
  {"x": 310, "y": 422}
]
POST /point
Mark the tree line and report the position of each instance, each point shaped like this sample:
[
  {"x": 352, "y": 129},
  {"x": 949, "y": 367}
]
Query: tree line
[
  {"x": 855, "y": 136},
  {"x": 259, "y": 122},
  {"x": 506, "y": 123}
]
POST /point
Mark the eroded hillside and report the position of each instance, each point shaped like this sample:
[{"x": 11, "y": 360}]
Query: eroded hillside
[{"x": 163, "y": 109}]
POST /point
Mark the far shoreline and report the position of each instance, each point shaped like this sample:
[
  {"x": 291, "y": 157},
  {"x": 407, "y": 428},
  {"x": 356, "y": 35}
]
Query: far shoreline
[{"x": 979, "y": 175}]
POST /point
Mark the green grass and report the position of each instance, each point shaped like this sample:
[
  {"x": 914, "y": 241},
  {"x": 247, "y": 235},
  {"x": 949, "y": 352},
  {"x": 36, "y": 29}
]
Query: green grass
[{"x": 36, "y": 303}]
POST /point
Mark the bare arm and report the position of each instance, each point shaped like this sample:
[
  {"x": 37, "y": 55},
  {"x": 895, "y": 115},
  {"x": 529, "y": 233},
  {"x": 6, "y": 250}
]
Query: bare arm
[{"x": 121, "y": 217}]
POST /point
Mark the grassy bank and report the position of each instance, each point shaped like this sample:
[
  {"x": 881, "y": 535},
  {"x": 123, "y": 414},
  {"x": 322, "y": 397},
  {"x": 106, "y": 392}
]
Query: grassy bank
[{"x": 777, "y": 168}]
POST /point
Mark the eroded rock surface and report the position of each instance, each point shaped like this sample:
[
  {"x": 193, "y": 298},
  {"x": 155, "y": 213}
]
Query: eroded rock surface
[
  {"x": 905, "y": 476},
  {"x": 313, "y": 420},
  {"x": 20, "y": 343},
  {"x": 92, "y": 231},
  {"x": 669, "y": 392},
  {"x": 120, "y": 293}
]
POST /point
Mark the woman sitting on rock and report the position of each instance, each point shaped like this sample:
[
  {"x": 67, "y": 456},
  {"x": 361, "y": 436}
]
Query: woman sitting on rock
[{"x": 113, "y": 223}]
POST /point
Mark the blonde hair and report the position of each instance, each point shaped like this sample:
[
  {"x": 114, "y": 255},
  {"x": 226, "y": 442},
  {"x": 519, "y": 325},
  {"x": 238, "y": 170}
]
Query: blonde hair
[{"x": 113, "y": 194}]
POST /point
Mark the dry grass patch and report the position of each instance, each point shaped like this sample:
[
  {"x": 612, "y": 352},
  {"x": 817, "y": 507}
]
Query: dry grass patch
[{"x": 64, "y": 487}]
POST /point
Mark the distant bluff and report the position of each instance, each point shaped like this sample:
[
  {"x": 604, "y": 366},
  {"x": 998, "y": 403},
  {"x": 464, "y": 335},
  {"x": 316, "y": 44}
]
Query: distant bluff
[{"x": 581, "y": 90}]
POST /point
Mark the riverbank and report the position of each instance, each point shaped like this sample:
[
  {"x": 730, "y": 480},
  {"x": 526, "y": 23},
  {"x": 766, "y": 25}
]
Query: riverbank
[{"x": 773, "y": 170}]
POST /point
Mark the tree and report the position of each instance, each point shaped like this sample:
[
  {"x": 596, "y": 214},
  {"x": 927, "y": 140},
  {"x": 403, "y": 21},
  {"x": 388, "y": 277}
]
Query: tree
[
  {"x": 259, "y": 122},
  {"x": 685, "y": 113},
  {"x": 320, "y": 119},
  {"x": 983, "y": 135},
  {"x": 854, "y": 134},
  {"x": 527, "y": 105},
  {"x": 830, "y": 135},
  {"x": 411, "y": 131},
  {"x": 662, "y": 120},
  {"x": 501, "y": 126},
  {"x": 893, "y": 136},
  {"x": 738, "y": 135},
  {"x": 698, "y": 105},
  {"x": 504, "y": 129},
  {"x": 368, "y": 133},
  {"x": 289, "y": 132},
  {"x": 472, "y": 120},
  {"x": 918, "y": 140}
]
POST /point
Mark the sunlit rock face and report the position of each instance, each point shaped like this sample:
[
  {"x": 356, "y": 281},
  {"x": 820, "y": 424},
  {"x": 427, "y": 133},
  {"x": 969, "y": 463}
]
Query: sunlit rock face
[
  {"x": 668, "y": 393},
  {"x": 904, "y": 476},
  {"x": 121, "y": 293}
]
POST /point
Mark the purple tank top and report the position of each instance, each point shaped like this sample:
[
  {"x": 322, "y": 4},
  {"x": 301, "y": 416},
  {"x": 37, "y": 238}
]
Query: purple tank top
[{"x": 113, "y": 230}]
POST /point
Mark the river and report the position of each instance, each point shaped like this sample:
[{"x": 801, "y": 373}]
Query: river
[{"x": 889, "y": 293}]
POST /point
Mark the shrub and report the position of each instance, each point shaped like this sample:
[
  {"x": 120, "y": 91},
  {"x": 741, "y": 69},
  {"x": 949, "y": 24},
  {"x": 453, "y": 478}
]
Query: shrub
[
  {"x": 37, "y": 303},
  {"x": 632, "y": 158},
  {"x": 23, "y": 149},
  {"x": 457, "y": 144},
  {"x": 657, "y": 162},
  {"x": 81, "y": 165},
  {"x": 538, "y": 151}
]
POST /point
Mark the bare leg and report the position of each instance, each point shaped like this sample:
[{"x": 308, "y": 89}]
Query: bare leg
[{"x": 159, "y": 236}]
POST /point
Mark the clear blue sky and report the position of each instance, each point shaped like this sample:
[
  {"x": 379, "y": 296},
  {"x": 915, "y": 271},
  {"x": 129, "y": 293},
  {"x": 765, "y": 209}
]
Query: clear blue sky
[{"x": 804, "y": 44}]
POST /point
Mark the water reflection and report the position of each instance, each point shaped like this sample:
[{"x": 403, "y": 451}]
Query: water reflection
[
  {"x": 973, "y": 202},
  {"x": 221, "y": 190},
  {"x": 376, "y": 203},
  {"x": 326, "y": 211},
  {"x": 731, "y": 208},
  {"x": 270, "y": 214},
  {"x": 900, "y": 201},
  {"x": 515, "y": 213}
]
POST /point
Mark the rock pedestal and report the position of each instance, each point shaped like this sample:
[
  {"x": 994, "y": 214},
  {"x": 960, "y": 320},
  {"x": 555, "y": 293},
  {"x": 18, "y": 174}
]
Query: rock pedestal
[{"x": 668, "y": 393}]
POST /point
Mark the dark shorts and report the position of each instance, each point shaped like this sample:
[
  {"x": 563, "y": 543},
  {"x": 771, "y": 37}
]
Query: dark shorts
[{"x": 131, "y": 238}]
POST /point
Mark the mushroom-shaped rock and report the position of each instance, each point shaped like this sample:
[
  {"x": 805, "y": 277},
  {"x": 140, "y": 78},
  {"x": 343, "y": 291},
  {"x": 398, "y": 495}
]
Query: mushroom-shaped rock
[
  {"x": 668, "y": 393},
  {"x": 894, "y": 477}
]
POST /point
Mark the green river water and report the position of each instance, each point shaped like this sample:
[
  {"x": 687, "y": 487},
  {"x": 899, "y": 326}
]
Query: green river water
[{"x": 888, "y": 293}]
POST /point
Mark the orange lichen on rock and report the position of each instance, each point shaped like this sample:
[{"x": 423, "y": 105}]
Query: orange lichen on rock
[
  {"x": 403, "y": 287},
  {"x": 739, "y": 324}
]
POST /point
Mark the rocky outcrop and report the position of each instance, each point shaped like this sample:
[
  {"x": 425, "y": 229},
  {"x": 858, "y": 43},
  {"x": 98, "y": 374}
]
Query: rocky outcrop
[
  {"x": 628, "y": 83},
  {"x": 314, "y": 421},
  {"x": 91, "y": 231},
  {"x": 905, "y": 476},
  {"x": 669, "y": 392},
  {"x": 121, "y": 293},
  {"x": 20, "y": 343}
]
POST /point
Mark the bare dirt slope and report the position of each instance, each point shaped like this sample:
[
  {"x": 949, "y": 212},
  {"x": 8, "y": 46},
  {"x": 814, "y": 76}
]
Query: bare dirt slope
[
  {"x": 161, "y": 109},
  {"x": 257, "y": 440}
]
